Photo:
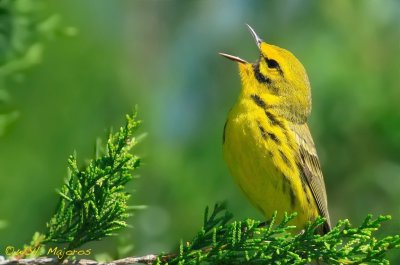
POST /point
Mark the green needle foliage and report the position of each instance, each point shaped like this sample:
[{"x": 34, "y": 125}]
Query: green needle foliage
[
  {"x": 24, "y": 25},
  {"x": 93, "y": 200},
  {"x": 93, "y": 205},
  {"x": 253, "y": 242}
]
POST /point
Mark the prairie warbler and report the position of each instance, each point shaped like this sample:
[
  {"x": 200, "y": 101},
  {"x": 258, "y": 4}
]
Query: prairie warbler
[{"x": 267, "y": 144}]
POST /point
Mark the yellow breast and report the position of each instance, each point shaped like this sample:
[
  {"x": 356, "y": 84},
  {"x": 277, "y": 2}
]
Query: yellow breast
[{"x": 261, "y": 151}]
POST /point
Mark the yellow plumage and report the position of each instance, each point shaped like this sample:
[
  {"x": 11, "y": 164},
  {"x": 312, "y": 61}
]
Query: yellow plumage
[{"x": 267, "y": 144}]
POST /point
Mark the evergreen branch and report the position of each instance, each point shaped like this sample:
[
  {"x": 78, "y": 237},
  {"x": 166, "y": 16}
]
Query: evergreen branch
[
  {"x": 93, "y": 205},
  {"x": 93, "y": 200},
  {"x": 23, "y": 27},
  {"x": 253, "y": 242}
]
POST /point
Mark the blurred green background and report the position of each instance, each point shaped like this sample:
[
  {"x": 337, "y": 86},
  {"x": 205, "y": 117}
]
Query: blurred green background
[{"x": 162, "y": 56}]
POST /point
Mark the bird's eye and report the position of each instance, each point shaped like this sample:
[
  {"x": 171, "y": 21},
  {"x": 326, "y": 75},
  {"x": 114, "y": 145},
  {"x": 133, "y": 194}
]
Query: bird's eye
[{"x": 272, "y": 63}]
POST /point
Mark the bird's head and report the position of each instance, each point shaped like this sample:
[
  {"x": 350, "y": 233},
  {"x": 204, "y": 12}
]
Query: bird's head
[{"x": 278, "y": 78}]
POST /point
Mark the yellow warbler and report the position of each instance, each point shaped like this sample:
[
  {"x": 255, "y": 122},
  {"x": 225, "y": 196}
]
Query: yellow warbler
[{"x": 267, "y": 144}]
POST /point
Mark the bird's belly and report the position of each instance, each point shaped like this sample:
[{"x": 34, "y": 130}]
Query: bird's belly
[{"x": 251, "y": 165}]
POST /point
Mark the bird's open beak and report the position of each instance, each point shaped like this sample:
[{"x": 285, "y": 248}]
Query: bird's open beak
[
  {"x": 238, "y": 59},
  {"x": 255, "y": 36},
  {"x": 233, "y": 58}
]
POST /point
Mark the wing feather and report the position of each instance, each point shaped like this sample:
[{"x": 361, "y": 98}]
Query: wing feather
[{"x": 311, "y": 170}]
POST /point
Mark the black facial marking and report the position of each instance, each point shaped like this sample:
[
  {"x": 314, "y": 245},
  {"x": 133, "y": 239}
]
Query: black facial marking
[
  {"x": 259, "y": 101},
  {"x": 259, "y": 76},
  {"x": 272, "y": 63}
]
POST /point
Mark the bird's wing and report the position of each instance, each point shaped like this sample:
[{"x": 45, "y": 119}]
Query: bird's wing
[{"x": 311, "y": 170}]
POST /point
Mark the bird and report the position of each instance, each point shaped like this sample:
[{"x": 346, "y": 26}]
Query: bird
[{"x": 267, "y": 143}]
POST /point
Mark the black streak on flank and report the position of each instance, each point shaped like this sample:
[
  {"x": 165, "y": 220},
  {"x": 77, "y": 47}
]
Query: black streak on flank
[
  {"x": 259, "y": 101},
  {"x": 292, "y": 198},
  {"x": 259, "y": 76},
  {"x": 273, "y": 119},
  {"x": 285, "y": 159},
  {"x": 223, "y": 135},
  {"x": 285, "y": 183},
  {"x": 287, "y": 138},
  {"x": 262, "y": 130},
  {"x": 286, "y": 179},
  {"x": 273, "y": 137}
]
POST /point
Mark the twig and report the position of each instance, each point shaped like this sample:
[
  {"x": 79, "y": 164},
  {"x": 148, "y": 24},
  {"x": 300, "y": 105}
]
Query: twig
[{"x": 147, "y": 259}]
